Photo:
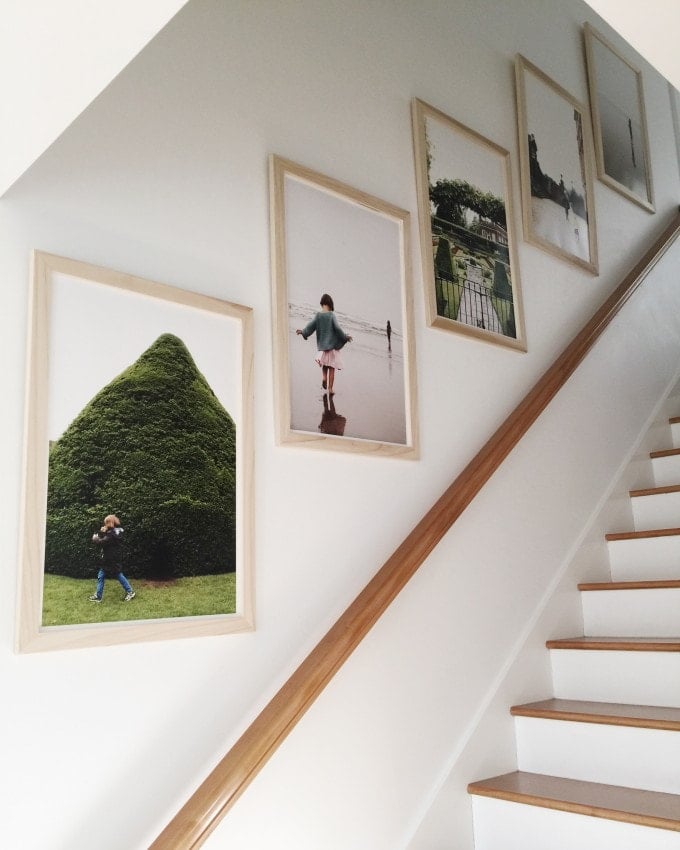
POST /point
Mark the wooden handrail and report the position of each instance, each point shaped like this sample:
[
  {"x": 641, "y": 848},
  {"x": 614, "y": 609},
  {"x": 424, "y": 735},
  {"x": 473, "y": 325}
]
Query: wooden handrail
[{"x": 215, "y": 796}]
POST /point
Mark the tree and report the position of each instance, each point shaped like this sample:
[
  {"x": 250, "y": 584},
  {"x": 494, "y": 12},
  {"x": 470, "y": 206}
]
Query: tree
[
  {"x": 442, "y": 260},
  {"x": 451, "y": 197},
  {"x": 157, "y": 448},
  {"x": 501, "y": 283}
]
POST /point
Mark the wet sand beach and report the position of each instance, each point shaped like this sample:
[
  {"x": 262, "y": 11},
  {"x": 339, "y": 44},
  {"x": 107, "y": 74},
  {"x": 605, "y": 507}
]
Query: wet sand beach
[
  {"x": 369, "y": 390},
  {"x": 550, "y": 222}
]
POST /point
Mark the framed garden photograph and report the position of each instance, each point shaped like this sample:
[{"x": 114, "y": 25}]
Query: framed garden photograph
[
  {"x": 555, "y": 147},
  {"x": 617, "y": 104},
  {"x": 343, "y": 327},
  {"x": 137, "y": 511},
  {"x": 468, "y": 249}
]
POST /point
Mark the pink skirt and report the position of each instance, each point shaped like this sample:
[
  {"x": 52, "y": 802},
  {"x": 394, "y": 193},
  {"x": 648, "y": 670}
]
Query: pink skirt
[{"x": 329, "y": 358}]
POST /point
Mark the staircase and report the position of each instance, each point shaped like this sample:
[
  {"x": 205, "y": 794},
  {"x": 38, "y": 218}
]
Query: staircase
[{"x": 599, "y": 764}]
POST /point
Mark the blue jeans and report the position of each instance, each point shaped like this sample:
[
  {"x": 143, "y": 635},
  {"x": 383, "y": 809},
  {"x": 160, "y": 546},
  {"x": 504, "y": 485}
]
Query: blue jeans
[{"x": 101, "y": 575}]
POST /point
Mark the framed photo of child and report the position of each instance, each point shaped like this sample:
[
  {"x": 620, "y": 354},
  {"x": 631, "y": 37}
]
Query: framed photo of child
[
  {"x": 137, "y": 520},
  {"x": 343, "y": 327}
]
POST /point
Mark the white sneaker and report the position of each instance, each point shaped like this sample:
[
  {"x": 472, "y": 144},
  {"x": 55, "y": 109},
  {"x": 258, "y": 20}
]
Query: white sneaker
[{"x": 130, "y": 595}]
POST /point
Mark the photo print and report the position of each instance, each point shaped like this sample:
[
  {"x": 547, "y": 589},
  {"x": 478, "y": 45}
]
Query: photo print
[
  {"x": 343, "y": 327},
  {"x": 140, "y": 421},
  {"x": 470, "y": 266},
  {"x": 619, "y": 123},
  {"x": 555, "y": 145}
]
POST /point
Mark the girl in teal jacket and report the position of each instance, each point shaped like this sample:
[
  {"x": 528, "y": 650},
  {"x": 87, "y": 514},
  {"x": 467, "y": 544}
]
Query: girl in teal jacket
[{"x": 330, "y": 338}]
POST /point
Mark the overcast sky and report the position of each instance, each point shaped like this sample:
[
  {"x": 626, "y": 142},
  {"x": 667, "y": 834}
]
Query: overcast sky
[
  {"x": 551, "y": 119},
  {"x": 455, "y": 156},
  {"x": 96, "y": 331},
  {"x": 337, "y": 246},
  {"x": 616, "y": 80}
]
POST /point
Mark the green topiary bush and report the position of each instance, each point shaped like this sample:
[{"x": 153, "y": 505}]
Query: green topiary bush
[{"x": 156, "y": 448}]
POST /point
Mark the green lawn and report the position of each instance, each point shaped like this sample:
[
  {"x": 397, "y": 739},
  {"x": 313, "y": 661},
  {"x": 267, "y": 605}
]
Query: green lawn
[{"x": 65, "y": 600}]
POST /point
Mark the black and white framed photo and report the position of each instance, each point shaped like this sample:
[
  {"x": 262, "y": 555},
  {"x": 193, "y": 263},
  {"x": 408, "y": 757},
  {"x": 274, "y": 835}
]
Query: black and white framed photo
[
  {"x": 617, "y": 104},
  {"x": 555, "y": 145}
]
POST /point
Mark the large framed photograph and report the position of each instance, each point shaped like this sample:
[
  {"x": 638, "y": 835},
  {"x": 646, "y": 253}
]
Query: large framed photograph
[
  {"x": 469, "y": 258},
  {"x": 343, "y": 327},
  {"x": 617, "y": 104},
  {"x": 137, "y": 517},
  {"x": 555, "y": 146}
]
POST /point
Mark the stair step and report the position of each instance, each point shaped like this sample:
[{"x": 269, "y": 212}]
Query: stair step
[
  {"x": 635, "y": 609},
  {"x": 618, "y": 644},
  {"x": 666, "y": 467},
  {"x": 653, "y": 554},
  {"x": 654, "y": 491},
  {"x": 614, "y": 713},
  {"x": 643, "y": 535},
  {"x": 655, "y": 507},
  {"x": 625, "y": 746},
  {"x": 665, "y": 453},
  {"x": 617, "y": 675},
  {"x": 629, "y": 805},
  {"x": 659, "y": 584}
]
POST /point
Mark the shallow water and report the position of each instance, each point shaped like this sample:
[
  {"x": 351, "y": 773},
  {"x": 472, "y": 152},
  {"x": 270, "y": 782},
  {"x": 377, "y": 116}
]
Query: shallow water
[{"x": 369, "y": 400}]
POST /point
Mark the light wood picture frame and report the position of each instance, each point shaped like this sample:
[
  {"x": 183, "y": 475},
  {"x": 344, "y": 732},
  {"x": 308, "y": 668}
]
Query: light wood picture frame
[
  {"x": 329, "y": 239},
  {"x": 555, "y": 147},
  {"x": 138, "y": 431},
  {"x": 467, "y": 233},
  {"x": 617, "y": 104}
]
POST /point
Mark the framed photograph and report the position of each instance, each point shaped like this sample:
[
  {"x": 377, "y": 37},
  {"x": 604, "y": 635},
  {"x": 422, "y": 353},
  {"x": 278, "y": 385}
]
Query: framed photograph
[
  {"x": 470, "y": 266},
  {"x": 617, "y": 104},
  {"x": 343, "y": 326},
  {"x": 137, "y": 511},
  {"x": 555, "y": 147}
]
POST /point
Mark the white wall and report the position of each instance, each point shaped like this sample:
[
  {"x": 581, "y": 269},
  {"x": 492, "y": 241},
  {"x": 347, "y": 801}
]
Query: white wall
[
  {"x": 55, "y": 58},
  {"x": 164, "y": 176}
]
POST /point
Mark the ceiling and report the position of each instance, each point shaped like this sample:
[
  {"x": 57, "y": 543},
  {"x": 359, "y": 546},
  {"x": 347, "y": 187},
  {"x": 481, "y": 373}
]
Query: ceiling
[
  {"x": 56, "y": 57},
  {"x": 652, "y": 27}
]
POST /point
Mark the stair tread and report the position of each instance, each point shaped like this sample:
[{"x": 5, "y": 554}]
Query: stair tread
[
  {"x": 616, "y": 714},
  {"x": 631, "y": 805},
  {"x": 653, "y": 584},
  {"x": 665, "y": 453},
  {"x": 635, "y": 644},
  {"x": 639, "y": 535},
  {"x": 674, "y": 420},
  {"x": 655, "y": 491}
]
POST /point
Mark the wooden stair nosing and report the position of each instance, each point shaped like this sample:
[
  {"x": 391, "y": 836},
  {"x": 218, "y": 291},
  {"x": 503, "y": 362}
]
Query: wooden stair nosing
[
  {"x": 604, "y": 713},
  {"x": 617, "y": 644},
  {"x": 665, "y": 452},
  {"x": 611, "y": 802},
  {"x": 654, "y": 491},
  {"x": 652, "y": 584},
  {"x": 641, "y": 535},
  {"x": 674, "y": 420}
]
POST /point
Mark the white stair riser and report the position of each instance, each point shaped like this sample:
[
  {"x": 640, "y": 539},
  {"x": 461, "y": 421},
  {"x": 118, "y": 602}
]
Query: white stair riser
[
  {"x": 502, "y": 825},
  {"x": 593, "y": 752},
  {"x": 645, "y": 558},
  {"x": 666, "y": 470},
  {"x": 661, "y": 510},
  {"x": 632, "y": 613},
  {"x": 675, "y": 435},
  {"x": 642, "y": 678}
]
